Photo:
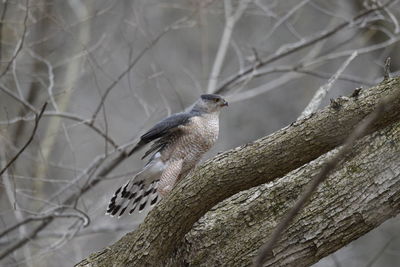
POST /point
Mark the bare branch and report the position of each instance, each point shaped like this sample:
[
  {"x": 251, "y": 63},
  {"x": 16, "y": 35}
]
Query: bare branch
[
  {"x": 173, "y": 26},
  {"x": 20, "y": 44},
  {"x": 25, "y": 240},
  {"x": 97, "y": 229},
  {"x": 48, "y": 217},
  {"x": 2, "y": 20},
  {"x": 286, "y": 17},
  {"x": 360, "y": 51},
  {"x": 285, "y": 78},
  {"x": 66, "y": 115},
  {"x": 23, "y": 102},
  {"x": 323, "y": 90},
  {"x": 37, "y": 119},
  {"x": 393, "y": 19},
  {"x": 46, "y": 220},
  {"x": 386, "y": 69},
  {"x": 343, "y": 77},
  {"x": 231, "y": 18},
  {"x": 234, "y": 80},
  {"x": 11, "y": 193},
  {"x": 17, "y": 225},
  {"x": 50, "y": 75}
]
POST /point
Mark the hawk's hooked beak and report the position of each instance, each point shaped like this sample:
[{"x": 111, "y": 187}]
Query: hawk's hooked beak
[{"x": 224, "y": 103}]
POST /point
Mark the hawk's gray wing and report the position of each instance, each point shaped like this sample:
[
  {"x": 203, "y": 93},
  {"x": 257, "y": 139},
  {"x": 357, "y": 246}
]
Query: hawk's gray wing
[
  {"x": 162, "y": 131},
  {"x": 141, "y": 188}
]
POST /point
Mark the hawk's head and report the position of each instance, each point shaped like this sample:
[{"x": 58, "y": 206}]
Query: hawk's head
[{"x": 210, "y": 103}]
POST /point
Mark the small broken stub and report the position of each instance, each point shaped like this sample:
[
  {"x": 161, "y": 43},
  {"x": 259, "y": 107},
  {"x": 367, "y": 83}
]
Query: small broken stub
[
  {"x": 338, "y": 102},
  {"x": 356, "y": 92},
  {"x": 335, "y": 104}
]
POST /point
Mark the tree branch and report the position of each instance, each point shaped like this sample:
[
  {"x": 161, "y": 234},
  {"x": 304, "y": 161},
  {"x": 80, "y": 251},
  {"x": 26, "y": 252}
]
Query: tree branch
[
  {"x": 47, "y": 220},
  {"x": 242, "y": 168},
  {"x": 132, "y": 64},
  {"x": 357, "y": 197},
  {"x": 231, "y": 18},
  {"x": 229, "y": 83},
  {"x": 323, "y": 90},
  {"x": 20, "y": 44},
  {"x": 37, "y": 119},
  {"x": 266, "y": 250}
]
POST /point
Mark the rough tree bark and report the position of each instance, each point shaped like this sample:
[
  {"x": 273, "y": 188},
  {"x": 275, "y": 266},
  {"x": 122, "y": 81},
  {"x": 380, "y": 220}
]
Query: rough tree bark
[
  {"x": 158, "y": 239},
  {"x": 361, "y": 194}
]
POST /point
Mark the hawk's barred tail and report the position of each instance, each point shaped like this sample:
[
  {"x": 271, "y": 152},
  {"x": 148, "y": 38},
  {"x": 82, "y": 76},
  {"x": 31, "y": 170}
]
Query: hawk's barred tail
[
  {"x": 139, "y": 190},
  {"x": 133, "y": 196}
]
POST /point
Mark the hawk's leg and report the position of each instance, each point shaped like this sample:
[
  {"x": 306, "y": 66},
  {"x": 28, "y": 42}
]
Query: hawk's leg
[{"x": 169, "y": 177}]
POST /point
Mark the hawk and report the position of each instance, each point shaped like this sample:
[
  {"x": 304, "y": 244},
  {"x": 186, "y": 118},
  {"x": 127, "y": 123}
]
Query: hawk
[{"x": 179, "y": 141}]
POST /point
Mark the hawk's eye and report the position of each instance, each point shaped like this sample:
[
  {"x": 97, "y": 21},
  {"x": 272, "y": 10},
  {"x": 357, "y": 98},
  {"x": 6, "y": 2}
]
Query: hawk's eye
[{"x": 216, "y": 100}]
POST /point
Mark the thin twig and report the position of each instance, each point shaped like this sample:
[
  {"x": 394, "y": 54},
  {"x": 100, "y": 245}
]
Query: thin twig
[
  {"x": 19, "y": 224},
  {"x": 2, "y": 20},
  {"x": 393, "y": 19},
  {"x": 344, "y": 77},
  {"x": 28, "y": 142},
  {"x": 11, "y": 193},
  {"x": 271, "y": 85},
  {"x": 131, "y": 65},
  {"x": 50, "y": 78},
  {"x": 99, "y": 229},
  {"x": 66, "y": 115},
  {"x": 364, "y": 50},
  {"x": 21, "y": 41},
  {"x": 16, "y": 79},
  {"x": 17, "y": 98},
  {"x": 237, "y": 78},
  {"x": 231, "y": 18},
  {"x": 386, "y": 69},
  {"x": 89, "y": 185},
  {"x": 323, "y": 90},
  {"x": 46, "y": 218},
  {"x": 101, "y": 172},
  {"x": 25, "y": 240},
  {"x": 285, "y": 18},
  {"x": 46, "y": 221}
]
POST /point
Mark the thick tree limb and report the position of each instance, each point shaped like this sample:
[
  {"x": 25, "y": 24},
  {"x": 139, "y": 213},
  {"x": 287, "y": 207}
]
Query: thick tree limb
[
  {"x": 240, "y": 169},
  {"x": 266, "y": 250},
  {"x": 361, "y": 194}
]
